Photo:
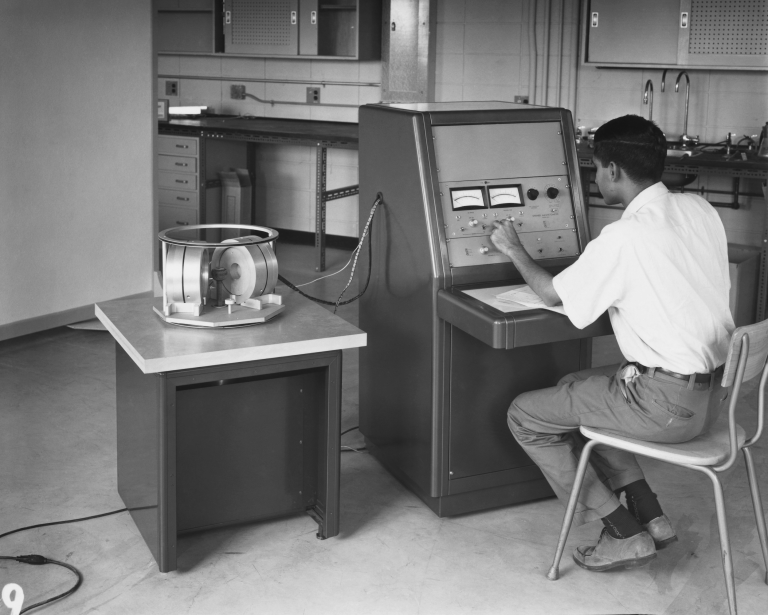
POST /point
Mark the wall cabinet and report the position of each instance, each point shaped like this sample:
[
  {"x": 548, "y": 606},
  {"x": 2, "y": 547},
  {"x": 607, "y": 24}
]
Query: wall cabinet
[
  {"x": 676, "y": 33},
  {"x": 330, "y": 29},
  {"x": 188, "y": 26}
]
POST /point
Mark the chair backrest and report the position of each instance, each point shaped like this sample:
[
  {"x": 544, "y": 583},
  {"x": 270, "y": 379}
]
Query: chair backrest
[
  {"x": 746, "y": 359},
  {"x": 758, "y": 352}
]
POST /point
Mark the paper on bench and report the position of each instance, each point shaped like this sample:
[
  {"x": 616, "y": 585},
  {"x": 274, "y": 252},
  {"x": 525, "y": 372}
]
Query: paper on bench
[{"x": 523, "y": 295}]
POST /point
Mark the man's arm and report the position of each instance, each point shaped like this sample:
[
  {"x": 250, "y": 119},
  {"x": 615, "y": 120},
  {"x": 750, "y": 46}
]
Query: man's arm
[{"x": 505, "y": 238}]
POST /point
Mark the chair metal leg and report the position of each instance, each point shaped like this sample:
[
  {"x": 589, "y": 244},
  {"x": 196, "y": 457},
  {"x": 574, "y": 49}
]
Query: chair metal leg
[
  {"x": 758, "y": 506},
  {"x": 725, "y": 543},
  {"x": 554, "y": 571}
]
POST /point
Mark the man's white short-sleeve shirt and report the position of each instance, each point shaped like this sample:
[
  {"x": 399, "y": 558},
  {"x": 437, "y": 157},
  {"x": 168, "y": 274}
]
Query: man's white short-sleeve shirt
[{"x": 661, "y": 271}]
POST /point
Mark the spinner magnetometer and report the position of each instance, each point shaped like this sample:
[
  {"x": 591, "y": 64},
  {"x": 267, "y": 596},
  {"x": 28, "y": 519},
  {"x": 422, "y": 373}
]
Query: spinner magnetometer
[{"x": 219, "y": 284}]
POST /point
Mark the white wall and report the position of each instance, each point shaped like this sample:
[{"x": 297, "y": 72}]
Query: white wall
[{"x": 76, "y": 129}]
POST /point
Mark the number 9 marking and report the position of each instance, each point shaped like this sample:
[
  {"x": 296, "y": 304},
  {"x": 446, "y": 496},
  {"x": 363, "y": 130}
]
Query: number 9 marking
[{"x": 17, "y": 601}]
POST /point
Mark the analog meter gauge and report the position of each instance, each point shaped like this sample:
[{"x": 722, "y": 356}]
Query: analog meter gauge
[
  {"x": 506, "y": 196},
  {"x": 467, "y": 198}
]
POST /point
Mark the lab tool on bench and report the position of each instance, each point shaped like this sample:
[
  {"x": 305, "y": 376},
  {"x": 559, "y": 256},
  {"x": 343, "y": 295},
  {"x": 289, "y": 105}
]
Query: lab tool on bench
[{"x": 201, "y": 277}]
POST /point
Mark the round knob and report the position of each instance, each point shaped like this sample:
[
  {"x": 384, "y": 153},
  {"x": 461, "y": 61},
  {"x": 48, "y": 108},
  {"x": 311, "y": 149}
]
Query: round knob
[
  {"x": 483, "y": 250},
  {"x": 533, "y": 194},
  {"x": 552, "y": 192},
  {"x": 473, "y": 223}
]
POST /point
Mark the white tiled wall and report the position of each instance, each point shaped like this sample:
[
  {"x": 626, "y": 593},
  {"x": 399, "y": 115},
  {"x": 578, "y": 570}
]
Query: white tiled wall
[
  {"x": 482, "y": 54},
  {"x": 285, "y": 174}
]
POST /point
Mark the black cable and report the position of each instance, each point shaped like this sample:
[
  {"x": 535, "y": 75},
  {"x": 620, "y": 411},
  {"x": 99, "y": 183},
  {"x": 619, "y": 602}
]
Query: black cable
[
  {"x": 337, "y": 303},
  {"x": 40, "y": 560},
  {"x": 31, "y": 527},
  {"x": 349, "y": 449}
]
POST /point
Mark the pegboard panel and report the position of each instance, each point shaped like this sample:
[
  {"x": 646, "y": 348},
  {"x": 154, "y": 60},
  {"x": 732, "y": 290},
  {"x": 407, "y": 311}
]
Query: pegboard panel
[
  {"x": 729, "y": 27},
  {"x": 263, "y": 22}
]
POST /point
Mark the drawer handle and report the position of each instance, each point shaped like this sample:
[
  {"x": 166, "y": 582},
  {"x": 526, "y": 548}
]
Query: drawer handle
[
  {"x": 182, "y": 198},
  {"x": 181, "y": 164},
  {"x": 182, "y": 181},
  {"x": 181, "y": 146},
  {"x": 182, "y": 223}
]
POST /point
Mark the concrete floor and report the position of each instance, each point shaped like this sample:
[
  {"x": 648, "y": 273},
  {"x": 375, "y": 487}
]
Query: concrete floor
[{"x": 57, "y": 461}]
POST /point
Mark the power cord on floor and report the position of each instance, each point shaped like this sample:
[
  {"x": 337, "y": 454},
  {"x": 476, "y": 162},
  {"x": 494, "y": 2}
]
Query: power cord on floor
[
  {"x": 40, "y": 560},
  {"x": 349, "y": 449},
  {"x": 355, "y": 254}
]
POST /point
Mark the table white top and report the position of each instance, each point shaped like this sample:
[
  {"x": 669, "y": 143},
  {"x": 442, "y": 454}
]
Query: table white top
[{"x": 155, "y": 346}]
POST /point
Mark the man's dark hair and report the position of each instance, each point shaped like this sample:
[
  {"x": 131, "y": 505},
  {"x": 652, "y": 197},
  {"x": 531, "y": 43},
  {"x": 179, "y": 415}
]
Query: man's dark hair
[{"x": 635, "y": 144}]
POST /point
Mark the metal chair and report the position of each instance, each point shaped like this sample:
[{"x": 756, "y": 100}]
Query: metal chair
[{"x": 710, "y": 453}]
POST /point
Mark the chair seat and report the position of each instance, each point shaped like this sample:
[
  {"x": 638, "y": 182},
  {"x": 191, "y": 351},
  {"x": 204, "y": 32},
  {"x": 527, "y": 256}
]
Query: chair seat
[{"x": 709, "y": 449}]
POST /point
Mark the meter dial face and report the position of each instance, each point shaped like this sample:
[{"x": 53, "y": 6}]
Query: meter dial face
[
  {"x": 467, "y": 198},
  {"x": 506, "y": 196}
]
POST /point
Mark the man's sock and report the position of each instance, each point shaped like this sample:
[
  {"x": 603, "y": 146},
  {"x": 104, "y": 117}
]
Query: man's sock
[
  {"x": 642, "y": 503},
  {"x": 621, "y": 524}
]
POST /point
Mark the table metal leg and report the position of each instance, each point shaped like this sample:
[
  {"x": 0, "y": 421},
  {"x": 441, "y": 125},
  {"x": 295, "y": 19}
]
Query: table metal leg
[
  {"x": 326, "y": 510},
  {"x": 321, "y": 166}
]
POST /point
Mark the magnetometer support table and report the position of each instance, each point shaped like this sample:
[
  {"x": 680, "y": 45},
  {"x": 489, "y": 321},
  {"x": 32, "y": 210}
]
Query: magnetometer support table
[{"x": 221, "y": 427}]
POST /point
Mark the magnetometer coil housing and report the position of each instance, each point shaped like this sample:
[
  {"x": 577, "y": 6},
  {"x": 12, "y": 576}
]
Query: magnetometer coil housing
[{"x": 201, "y": 278}]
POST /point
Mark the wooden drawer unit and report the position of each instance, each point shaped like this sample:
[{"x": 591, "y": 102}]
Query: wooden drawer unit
[
  {"x": 179, "y": 198},
  {"x": 178, "y": 164},
  {"x": 177, "y": 181},
  {"x": 171, "y": 216},
  {"x": 177, "y": 146}
]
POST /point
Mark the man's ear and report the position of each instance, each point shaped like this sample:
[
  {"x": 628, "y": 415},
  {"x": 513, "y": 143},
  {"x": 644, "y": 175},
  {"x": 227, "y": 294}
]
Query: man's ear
[{"x": 614, "y": 171}]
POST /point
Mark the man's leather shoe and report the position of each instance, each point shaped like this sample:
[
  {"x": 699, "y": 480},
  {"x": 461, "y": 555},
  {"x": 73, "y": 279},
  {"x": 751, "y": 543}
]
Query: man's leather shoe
[
  {"x": 661, "y": 531},
  {"x": 613, "y": 552}
]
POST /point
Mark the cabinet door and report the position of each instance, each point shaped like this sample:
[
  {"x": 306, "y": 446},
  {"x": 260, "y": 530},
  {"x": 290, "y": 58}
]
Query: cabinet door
[
  {"x": 308, "y": 27},
  {"x": 632, "y": 32},
  {"x": 264, "y": 27}
]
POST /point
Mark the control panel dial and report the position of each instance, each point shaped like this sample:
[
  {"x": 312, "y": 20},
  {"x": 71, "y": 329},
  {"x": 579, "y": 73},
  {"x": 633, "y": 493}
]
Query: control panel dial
[
  {"x": 552, "y": 192},
  {"x": 533, "y": 194}
]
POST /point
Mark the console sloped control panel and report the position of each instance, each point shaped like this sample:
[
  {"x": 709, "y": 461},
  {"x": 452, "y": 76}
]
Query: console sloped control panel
[{"x": 540, "y": 208}]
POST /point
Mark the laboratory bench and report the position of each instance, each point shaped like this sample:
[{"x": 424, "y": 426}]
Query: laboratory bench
[
  {"x": 681, "y": 169},
  {"x": 191, "y": 153},
  {"x": 217, "y": 427}
]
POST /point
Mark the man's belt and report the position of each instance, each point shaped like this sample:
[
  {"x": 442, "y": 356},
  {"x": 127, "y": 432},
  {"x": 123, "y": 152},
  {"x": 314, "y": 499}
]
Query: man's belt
[{"x": 697, "y": 378}]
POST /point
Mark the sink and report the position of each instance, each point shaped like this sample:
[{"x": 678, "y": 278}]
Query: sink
[{"x": 677, "y": 153}]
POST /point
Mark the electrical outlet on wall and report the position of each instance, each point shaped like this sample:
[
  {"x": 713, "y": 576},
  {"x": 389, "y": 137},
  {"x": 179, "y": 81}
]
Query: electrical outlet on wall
[
  {"x": 237, "y": 92},
  {"x": 313, "y": 96},
  {"x": 521, "y": 99},
  {"x": 171, "y": 88}
]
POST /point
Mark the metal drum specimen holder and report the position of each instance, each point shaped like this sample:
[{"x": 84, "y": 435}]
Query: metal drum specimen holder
[{"x": 219, "y": 284}]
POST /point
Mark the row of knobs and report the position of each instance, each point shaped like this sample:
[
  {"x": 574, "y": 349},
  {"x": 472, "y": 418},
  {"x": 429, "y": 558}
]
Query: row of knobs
[{"x": 552, "y": 193}]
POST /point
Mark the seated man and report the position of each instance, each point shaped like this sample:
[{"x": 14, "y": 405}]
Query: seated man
[{"x": 661, "y": 271}]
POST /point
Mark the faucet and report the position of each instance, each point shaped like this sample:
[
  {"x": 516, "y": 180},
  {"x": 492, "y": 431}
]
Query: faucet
[
  {"x": 685, "y": 139},
  {"x": 648, "y": 88},
  {"x": 664, "y": 79}
]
